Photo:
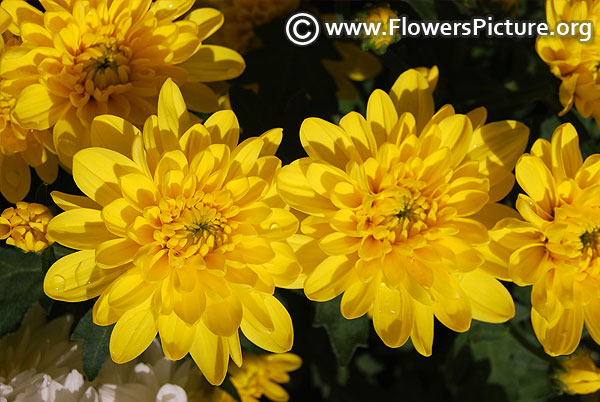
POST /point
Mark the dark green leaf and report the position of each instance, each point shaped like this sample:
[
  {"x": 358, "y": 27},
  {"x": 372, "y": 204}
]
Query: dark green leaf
[
  {"x": 22, "y": 276},
  {"x": 513, "y": 361},
  {"x": 95, "y": 341},
  {"x": 344, "y": 335}
]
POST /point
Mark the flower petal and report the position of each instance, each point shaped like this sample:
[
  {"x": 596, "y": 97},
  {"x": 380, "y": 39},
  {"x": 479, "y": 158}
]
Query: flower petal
[
  {"x": 133, "y": 333},
  {"x": 490, "y": 300},
  {"x": 76, "y": 277},
  {"x": 81, "y": 229}
]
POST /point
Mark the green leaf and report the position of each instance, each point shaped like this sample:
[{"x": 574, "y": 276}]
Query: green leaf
[
  {"x": 228, "y": 387},
  {"x": 21, "y": 277},
  {"x": 95, "y": 341},
  {"x": 510, "y": 358},
  {"x": 344, "y": 335},
  {"x": 424, "y": 9}
]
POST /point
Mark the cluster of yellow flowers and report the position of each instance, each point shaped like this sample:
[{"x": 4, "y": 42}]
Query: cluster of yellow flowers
[{"x": 185, "y": 232}]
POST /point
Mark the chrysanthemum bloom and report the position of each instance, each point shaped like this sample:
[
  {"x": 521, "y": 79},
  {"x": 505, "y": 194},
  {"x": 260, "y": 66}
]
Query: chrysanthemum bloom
[
  {"x": 242, "y": 16},
  {"x": 39, "y": 363},
  {"x": 380, "y": 42},
  {"x": 399, "y": 203},
  {"x": 83, "y": 58},
  {"x": 153, "y": 377},
  {"x": 557, "y": 246},
  {"x": 20, "y": 148},
  {"x": 261, "y": 375},
  {"x": 572, "y": 60},
  {"x": 25, "y": 226},
  {"x": 580, "y": 375},
  {"x": 355, "y": 66},
  {"x": 183, "y": 233}
]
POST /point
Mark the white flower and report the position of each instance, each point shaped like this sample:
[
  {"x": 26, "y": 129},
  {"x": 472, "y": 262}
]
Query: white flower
[
  {"x": 152, "y": 377},
  {"x": 40, "y": 363}
]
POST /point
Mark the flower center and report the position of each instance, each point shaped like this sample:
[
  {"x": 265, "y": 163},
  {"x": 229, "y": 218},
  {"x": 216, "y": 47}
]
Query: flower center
[
  {"x": 105, "y": 66},
  {"x": 189, "y": 227},
  {"x": 590, "y": 240}
]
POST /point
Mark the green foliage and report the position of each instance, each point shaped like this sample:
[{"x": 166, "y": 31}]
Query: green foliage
[
  {"x": 344, "y": 335},
  {"x": 500, "y": 362},
  {"x": 23, "y": 272},
  {"x": 95, "y": 341}
]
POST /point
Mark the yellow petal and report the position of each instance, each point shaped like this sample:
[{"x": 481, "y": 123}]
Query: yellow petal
[
  {"x": 114, "y": 253},
  {"x": 381, "y": 115},
  {"x": 526, "y": 264},
  {"x": 37, "y": 108},
  {"x": 132, "y": 334},
  {"x": 80, "y": 229},
  {"x": 392, "y": 316},
  {"x": 67, "y": 201},
  {"x": 118, "y": 215},
  {"x": 114, "y": 133},
  {"x": 456, "y": 135},
  {"x": 176, "y": 337},
  {"x": 15, "y": 178},
  {"x": 421, "y": 334},
  {"x": 359, "y": 132},
  {"x": 490, "y": 301},
  {"x": 97, "y": 171},
  {"x": 279, "y": 339},
  {"x": 223, "y": 317},
  {"x": 327, "y": 142},
  {"x": 592, "y": 319},
  {"x": 169, "y": 10},
  {"x": 537, "y": 181},
  {"x": 214, "y": 63},
  {"x": 172, "y": 113},
  {"x": 562, "y": 338},
  {"x": 566, "y": 156},
  {"x": 271, "y": 140},
  {"x": 330, "y": 278},
  {"x": 208, "y": 20},
  {"x": 48, "y": 171},
  {"x": 129, "y": 290},
  {"x": 199, "y": 97},
  {"x": 224, "y": 128},
  {"x": 139, "y": 190},
  {"x": 211, "y": 354},
  {"x": 69, "y": 136},
  {"x": 411, "y": 93},
  {"x": 295, "y": 189},
  {"x": 454, "y": 313},
  {"x": 76, "y": 277},
  {"x": 358, "y": 298}
]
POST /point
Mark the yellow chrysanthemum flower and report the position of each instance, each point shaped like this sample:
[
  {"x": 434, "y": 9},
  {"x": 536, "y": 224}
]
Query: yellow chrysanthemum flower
[
  {"x": 261, "y": 375},
  {"x": 25, "y": 226},
  {"x": 242, "y": 16},
  {"x": 574, "y": 62},
  {"x": 580, "y": 375},
  {"x": 557, "y": 246},
  {"x": 84, "y": 58},
  {"x": 380, "y": 42},
  {"x": 20, "y": 148},
  {"x": 398, "y": 202},
  {"x": 183, "y": 233}
]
